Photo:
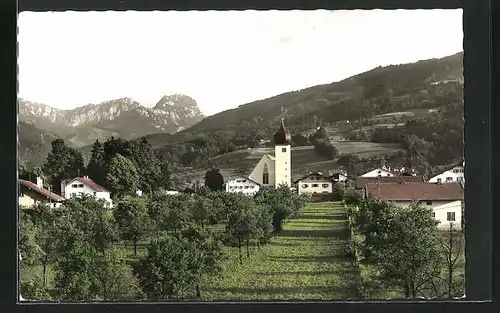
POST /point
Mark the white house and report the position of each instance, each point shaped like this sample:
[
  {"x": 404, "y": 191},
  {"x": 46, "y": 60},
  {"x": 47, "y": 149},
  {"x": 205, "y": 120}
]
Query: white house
[
  {"x": 378, "y": 172},
  {"x": 447, "y": 213},
  {"x": 242, "y": 185},
  {"x": 428, "y": 195},
  {"x": 339, "y": 177},
  {"x": 275, "y": 170},
  {"x": 85, "y": 186},
  {"x": 315, "y": 183},
  {"x": 453, "y": 175}
]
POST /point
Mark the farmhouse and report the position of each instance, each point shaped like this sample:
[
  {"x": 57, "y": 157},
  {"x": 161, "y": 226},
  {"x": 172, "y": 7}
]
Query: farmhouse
[
  {"x": 85, "y": 186},
  {"x": 242, "y": 185},
  {"x": 379, "y": 172},
  {"x": 453, "y": 175},
  {"x": 443, "y": 199},
  {"x": 315, "y": 183},
  {"x": 362, "y": 181},
  {"x": 275, "y": 170},
  {"x": 31, "y": 194}
]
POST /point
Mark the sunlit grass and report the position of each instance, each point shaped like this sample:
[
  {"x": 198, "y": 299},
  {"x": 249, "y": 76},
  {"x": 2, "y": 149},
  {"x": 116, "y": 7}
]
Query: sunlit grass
[{"x": 307, "y": 260}]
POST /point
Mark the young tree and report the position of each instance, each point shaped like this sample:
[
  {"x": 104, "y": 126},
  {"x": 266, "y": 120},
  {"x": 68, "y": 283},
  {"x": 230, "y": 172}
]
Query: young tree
[
  {"x": 134, "y": 222},
  {"x": 242, "y": 225},
  {"x": 122, "y": 177},
  {"x": 214, "y": 179}
]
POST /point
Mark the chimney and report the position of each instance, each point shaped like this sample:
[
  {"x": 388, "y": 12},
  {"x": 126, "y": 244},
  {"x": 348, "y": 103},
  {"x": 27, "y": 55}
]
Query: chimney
[{"x": 39, "y": 182}]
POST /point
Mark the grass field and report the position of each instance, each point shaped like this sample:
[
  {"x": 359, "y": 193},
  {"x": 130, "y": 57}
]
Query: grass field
[{"x": 306, "y": 261}]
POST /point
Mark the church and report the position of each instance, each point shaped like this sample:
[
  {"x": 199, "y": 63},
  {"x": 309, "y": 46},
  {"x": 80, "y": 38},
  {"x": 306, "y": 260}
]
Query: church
[{"x": 276, "y": 170}]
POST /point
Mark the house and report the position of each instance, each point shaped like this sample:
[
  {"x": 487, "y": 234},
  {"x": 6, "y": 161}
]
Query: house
[
  {"x": 362, "y": 181},
  {"x": 315, "y": 183},
  {"x": 85, "y": 186},
  {"x": 275, "y": 170},
  {"x": 453, "y": 175},
  {"x": 379, "y": 172},
  {"x": 447, "y": 213},
  {"x": 339, "y": 177},
  {"x": 443, "y": 199},
  {"x": 31, "y": 194},
  {"x": 243, "y": 185}
]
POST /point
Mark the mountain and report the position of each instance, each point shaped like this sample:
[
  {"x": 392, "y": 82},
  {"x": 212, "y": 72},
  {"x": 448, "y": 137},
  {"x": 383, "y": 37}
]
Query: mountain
[
  {"x": 34, "y": 144},
  {"x": 424, "y": 84},
  {"x": 124, "y": 117}
]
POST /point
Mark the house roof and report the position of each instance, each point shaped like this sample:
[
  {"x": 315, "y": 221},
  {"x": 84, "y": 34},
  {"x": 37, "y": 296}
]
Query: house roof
[
  {"x": 362, "y": 181},
  {"x": 42, "y": 191},
  {"x": 89, "y": 182},
  {"x": 416, "y": 191},
  {"x": 315, "y": 174}
]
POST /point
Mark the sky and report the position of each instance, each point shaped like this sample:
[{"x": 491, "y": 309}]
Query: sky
[{"x": 221, "y": 59}]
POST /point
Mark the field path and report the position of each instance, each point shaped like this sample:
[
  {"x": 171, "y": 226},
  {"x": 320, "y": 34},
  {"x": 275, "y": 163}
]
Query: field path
[{"x": 307, "y": 260}]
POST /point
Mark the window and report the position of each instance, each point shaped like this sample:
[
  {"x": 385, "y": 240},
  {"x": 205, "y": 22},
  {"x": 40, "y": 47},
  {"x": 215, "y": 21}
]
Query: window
[
  {"x": 238, "y": 181},
  {"x": 240, "y": 187},
  {"x": 315, "y": 185},
  {"x": 246, "y": 187},
  {"x": 434, "y": 214},
  {"x": 244, "y": 181},
  {"x": 379, "y": 172},
  {"x": 252, "y": 187},
  {"x": 449, "y": 178},
  {"x": 74, "y": 186},
  {"x": 459, "y": 178},
  {"x": 439, "y": 180},
  {"x": 325, "y": 185},
  {"x": 283, "y": 149},
  {"x": 450, "y": 216},
  {"x": 305, "y": 185},
  {"x": 286, "y": 162},
  {"x": 265, "y": 175},
  {"x": 95, "y": 193},
  {"x": 428, "y": 202},
  {"x": 80, "y": 185}
]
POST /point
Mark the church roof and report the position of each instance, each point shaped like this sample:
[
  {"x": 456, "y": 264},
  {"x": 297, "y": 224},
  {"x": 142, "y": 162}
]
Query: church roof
[{"x": 282, "y": 137}]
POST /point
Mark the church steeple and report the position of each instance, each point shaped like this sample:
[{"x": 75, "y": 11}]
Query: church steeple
[{"x": 282, "y": 137}]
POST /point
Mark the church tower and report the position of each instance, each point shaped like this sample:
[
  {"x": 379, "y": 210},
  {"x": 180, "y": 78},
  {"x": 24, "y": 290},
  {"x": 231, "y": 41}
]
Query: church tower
[{"x": 283, "y": 157}]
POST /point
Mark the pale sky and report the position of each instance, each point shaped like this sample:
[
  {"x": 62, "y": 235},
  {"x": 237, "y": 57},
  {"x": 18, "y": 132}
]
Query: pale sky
[{"x": 221, "y": 59}]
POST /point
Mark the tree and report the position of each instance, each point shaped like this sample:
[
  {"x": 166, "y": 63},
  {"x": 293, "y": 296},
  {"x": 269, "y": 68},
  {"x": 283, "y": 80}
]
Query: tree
[
  {"x": 166, "y": 273},
  {"x": 83, "y": 273},
  {"x": 242, "y": 225},
  {"x": 122, "y": 177},
  {"x": 96, "y": 168},
  {"x": 214, "y": 179},
  {"x": 134, "y": 222},
  {"x": 209, "y": 254},
  {"x": 405, "y": 247},
  {"x": 63, "y": 162},
  {"x": 147, "y": 164}
]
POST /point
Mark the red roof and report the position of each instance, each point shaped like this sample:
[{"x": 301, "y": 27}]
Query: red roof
[
  {"x": 42, "y": 191},
  {"x": 362, "y": 181},
  {"x": 416, "y": 192},
  {"x": 89, "y": 182}
]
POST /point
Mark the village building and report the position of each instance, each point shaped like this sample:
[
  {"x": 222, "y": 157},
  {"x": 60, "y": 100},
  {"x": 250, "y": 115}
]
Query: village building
[
  {"x": 85, "y": 186},
  {"x": 360, "y": 182},
  {"x": 243, "y": 185},
  {"x": 31, "y": 194},
  {"x": 442, "y": 199},
  {"x": 453, "y": 175},
  {"x": 275, "y": 170},
  {"x": 339, "y": 177},
  {"x": 315, "y": 183},
  {"x": 379, "y": 172}
]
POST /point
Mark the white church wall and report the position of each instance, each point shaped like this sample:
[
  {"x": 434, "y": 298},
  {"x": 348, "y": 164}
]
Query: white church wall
[{"x": 257, "y": 172}]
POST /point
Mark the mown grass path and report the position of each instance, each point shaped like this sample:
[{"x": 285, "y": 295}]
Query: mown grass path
[{"x": 307, "y": 260}]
